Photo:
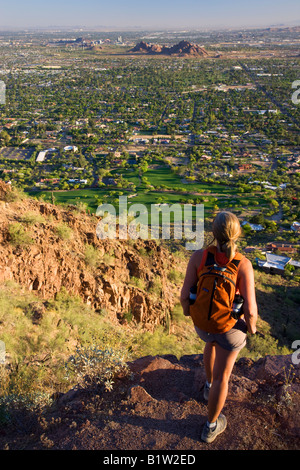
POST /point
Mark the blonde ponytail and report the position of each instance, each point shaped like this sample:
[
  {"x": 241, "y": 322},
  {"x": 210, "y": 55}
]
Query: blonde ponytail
[
  {"x": 226, "y": 230},
  {"x": 229, "y": 248}
]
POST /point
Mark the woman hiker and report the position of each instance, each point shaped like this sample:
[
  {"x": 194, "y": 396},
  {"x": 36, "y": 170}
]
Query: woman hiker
[{"x": 219, "y": 273}]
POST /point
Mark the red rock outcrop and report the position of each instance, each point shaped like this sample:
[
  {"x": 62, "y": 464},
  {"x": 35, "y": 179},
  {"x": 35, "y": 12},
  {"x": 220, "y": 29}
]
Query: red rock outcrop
[
  {"x": 52, "y": 261},
  {"x": 182, "y": 49}
]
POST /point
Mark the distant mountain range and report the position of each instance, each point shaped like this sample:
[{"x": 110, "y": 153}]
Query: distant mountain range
[{"x": 183, "y": 48}]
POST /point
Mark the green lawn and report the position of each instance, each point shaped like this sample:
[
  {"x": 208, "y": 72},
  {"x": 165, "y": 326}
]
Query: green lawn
[
  {"x": 162, "y": 175},
  {"x": 165, "y": 187},
  {"x": 129, "y": 174}
]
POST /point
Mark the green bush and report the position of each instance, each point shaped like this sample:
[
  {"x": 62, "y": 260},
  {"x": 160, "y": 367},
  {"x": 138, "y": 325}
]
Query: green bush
[
  {"x": 16, "y": 194},
  {"x": 18, "y": 235},
  {"x": 64, "y": 231},
  {"x": 259, "y": 346},
  {"x": 92, "y": 366},
  {"x": 175, "y": 276},
  {"x": 143, "y": 252},
  {"x": 177, "y": 313},
  {"x": 91, "y": 256},
  {"x": 37, "y": 352},
  {"x": 128, "y": 316},
  {"x": 156, "y": 286},
  {"x": 136, "y": 281},
  {"x": 160, "y": 342},
  {"x": 32, "y": 218}
]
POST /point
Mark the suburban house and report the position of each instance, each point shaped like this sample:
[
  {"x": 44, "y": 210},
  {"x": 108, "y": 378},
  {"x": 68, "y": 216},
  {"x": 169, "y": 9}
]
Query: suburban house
[
  {"x": 244, "y": 167},
  {"x": 274, "y": 264},
  {"x": 71, "y": 147},
  {"x": 295, "y": 226},
  {"x": 41, "y": 156},
  {"x": 77, "y": 181},
  {"x": 295, "y": 263},
  {"x": 255, "y": 227},
  {"x": 282, "y": 247}
]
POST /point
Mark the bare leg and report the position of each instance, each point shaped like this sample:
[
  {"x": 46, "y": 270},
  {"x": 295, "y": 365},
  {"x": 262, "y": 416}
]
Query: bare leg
[
  {"x": 209, "y": 360},
  {"x": 223, "y": 365}
]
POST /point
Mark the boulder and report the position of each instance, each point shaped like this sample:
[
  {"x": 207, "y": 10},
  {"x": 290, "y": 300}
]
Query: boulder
[{"x": 282, "y": 368}]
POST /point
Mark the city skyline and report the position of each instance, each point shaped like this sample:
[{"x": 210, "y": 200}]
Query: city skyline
[{"x": 155, "y": 14}]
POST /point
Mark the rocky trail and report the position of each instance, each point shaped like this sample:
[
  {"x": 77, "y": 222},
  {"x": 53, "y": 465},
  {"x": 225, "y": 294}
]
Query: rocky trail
[{"x": 160, "y": 408}]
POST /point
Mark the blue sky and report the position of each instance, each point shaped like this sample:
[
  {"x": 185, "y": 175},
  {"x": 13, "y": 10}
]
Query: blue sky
[{"x": 147, "y": 14}]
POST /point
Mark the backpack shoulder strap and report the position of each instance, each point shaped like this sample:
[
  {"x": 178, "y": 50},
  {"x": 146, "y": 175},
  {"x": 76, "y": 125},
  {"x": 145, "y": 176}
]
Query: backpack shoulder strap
[
  {"x": 211, "y": 256},
  {"x": 208, "y": 258},
  {"x": 237, "y": 259},
  {"x": 234, "y": 265}
]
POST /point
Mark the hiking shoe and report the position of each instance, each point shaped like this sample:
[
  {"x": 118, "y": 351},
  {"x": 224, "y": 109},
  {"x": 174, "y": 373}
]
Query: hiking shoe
[
  {"x": 208, "y": 435},
  {"x": 206, "y": 391}
]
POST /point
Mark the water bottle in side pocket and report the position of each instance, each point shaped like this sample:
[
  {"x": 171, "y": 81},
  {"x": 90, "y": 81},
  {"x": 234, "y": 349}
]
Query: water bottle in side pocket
[
  {"x": 237, "y": 307},
  {"x": 193, "y": 294}
]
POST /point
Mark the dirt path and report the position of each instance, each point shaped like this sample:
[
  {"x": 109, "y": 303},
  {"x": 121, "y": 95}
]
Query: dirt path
[{"x": 161, "y": 409}]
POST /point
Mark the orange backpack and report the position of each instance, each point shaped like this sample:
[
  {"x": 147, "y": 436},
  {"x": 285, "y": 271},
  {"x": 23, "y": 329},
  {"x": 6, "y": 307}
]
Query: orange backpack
[{"x": 216, "y": 289}]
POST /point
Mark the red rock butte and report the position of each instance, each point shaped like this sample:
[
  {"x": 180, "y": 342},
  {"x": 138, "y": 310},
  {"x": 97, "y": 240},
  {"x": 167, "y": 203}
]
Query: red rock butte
[{"x": 182, "y": 49}]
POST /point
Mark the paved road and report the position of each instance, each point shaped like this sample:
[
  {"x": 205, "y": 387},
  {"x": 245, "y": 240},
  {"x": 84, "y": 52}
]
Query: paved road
[{"x": 269, "y": 95}]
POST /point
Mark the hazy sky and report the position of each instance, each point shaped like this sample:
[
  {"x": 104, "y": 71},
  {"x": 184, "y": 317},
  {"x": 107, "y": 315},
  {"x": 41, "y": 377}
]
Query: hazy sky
[{"x": 147, "y": 14}]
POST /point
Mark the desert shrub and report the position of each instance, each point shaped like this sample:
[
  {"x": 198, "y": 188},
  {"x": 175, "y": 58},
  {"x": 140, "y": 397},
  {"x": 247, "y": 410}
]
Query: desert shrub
[
  {"x": 21, "y": 390},
  {"x": 80, "y": 207},
  {"x": 31, "y": 401},
  {"x": 177, "y": 313},
  {"x": 160, "y": 342},
  {"x": 108, "y": 258},
  {"x": 259, "y": 346},
  {"x": 37, "y": 352},
  {"x": 128, "y": 315},
  {"x": 175, "y": 276},
  {"x": 31, "y": 218},
  {"x": 92, "y": 366},
  {"x": 15, "y": 194},
  {"x": 156, "y": 286},
  {"x": 136, "y": 281},
  {"x": 91, "y": 256},
  {"x": 18, "y": 235},
  {"x": 17, "y": 404},
  {"x": 142, "y": 251},
  {"x": 64, "y": 231}
]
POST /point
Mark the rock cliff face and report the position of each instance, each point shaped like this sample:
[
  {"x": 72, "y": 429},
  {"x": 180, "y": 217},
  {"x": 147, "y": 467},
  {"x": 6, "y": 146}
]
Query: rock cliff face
[
  {"x": 182, "y": 49},
  {"x": 56, "y": 257}
]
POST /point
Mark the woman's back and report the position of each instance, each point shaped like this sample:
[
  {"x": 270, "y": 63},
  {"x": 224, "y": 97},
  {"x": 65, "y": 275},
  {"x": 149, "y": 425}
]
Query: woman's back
[{"x": 226, "y": 230}]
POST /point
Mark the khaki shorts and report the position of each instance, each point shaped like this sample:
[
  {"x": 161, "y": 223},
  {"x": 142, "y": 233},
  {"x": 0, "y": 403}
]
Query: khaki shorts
[{"x": 232, "y": 340}]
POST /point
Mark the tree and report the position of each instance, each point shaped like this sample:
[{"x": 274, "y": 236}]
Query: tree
[
  {"x": 274, "y": 204},
  {"x": 4, "y": 138}
]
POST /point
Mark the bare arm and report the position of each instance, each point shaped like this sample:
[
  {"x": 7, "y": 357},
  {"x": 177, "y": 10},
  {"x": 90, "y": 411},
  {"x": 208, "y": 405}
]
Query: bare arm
[
  {"x": 190, "y": 279},
  {"x": 247, "y": 289}
]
